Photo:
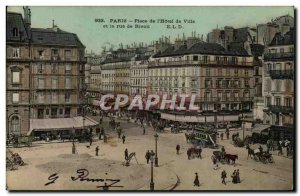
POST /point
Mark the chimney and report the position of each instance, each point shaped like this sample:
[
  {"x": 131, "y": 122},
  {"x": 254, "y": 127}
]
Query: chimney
[{"x": 27, "y": 18}]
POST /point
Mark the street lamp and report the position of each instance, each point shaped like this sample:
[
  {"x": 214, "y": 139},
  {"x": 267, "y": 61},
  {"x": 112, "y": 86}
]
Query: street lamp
[
  {"x": 156, "y": 158},
  {"x": 243, "y": 130},
  {"x": 151, "y": 182},
  {"x": 83, "y": 125}
]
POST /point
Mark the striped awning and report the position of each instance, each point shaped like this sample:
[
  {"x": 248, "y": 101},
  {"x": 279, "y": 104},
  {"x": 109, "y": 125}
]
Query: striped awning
[{"x": 60, "y": 123}]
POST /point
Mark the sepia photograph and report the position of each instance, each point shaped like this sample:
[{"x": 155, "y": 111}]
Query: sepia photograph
[{"x": 150, "y": 98}]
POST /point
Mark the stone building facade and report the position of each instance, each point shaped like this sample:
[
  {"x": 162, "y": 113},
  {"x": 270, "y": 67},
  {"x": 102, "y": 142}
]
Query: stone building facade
[
  {"x": 221, "y": 79},
  {"x": 45, "y": 73},
  {"x": 278, "y": 81}
]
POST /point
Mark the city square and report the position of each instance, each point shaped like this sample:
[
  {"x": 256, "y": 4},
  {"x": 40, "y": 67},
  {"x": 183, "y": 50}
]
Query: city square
[
  {"x": 175, "y": 172},
  {"x": 143, "y": 102}
]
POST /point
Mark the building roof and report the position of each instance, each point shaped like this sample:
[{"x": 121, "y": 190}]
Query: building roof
[
  {"x": 203, "y": 48},
  {"x": 15, "y": 20},
  {"x": 54, "y": 37},
  {"x": 257, "y": 49},
  {"x": 286, "y": 39}
]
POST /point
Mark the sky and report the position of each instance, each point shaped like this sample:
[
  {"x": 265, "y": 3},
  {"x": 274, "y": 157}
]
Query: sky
[{"x": 81, "y": 20}]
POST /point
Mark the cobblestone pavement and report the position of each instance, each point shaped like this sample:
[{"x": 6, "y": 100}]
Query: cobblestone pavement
[{"x": 174, "y": 171}]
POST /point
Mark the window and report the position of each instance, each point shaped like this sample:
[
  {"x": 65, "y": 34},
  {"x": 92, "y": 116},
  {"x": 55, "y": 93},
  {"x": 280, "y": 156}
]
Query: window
[
  {"x": 54, "y": 52},
  {"x": 246, "y": 72},
  {"x": 15, "y": 32},
  {"x": 15, "y": 97},
  {"x": 53, "y": 68},
  {"x": 15, "y": 77},
  {"x": 291, "y": 49},
  {"x": 54, "y": 83},
  {"x": 60, "y": 111},
  {"x": 219, "y": 71},
  {"x": 40, "y": 68},
  {"x": 67, "y": 97},
  {"x": 236, "y": 72},
  {"x": 41, "y": 53},
  {"x": 68, "y": 54},
  {"x": 15, "y": 52},
  {"x": 288, "y": 102},
  {"x": 41, "y": 97},
  {"x": 281, "y": 50},
  {"x": 247, "y": 83},
  {"x": 277, "y": 101},
  {"x": 68, "y": 69},
  {"x": 68, "y": 82},
  {"x": 67, "y": 112},
  {"x": 195, "y": 58},
  {"x": 205, "y": 59},
  {"x": 47, "y": 111},
  {"x": 227, "y": 71},
  {"x": 41, "y": 83},
  {"x": 15, "y": 125},
  {"x": 53, "y": 112},
  {"x": 219, "y": 83},
  {"x": 54, "y": 97},
  {"x": 207, "y": 71}
]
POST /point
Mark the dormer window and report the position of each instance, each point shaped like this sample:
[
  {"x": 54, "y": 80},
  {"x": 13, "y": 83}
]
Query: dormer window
[{"x": 15, "y": 32}]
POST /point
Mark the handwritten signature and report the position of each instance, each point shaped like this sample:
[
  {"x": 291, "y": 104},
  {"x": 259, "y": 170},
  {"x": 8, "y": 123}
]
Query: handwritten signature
[{"x": 82, "y": 176}]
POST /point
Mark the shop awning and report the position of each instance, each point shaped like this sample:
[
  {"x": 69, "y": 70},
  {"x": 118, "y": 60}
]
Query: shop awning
[{"x": 60, "y": 123}]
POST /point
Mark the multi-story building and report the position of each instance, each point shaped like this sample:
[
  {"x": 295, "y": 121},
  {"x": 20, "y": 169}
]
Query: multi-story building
[
  {"x": 222, "y": 79},
  {"x": 139, "y": 76},
  {"x": 17, "y": 72},
  {"x": 266, "y": 32},
  {"x": 93, "y": 74},
  {"x": 45, "y": 77},
  {"x": 57, "y": 73},
  {"x": 278, "y": 84},
  {"x": 116, "y": 71}
]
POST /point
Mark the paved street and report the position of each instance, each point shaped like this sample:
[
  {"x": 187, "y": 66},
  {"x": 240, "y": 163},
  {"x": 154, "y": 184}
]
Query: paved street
[{"x": 174, "y": 171}]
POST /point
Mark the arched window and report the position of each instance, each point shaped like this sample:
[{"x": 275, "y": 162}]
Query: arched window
[{"x": 15, "y": 125}]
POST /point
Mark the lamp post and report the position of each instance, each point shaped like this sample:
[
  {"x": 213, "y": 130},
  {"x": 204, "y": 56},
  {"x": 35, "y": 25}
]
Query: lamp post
[
  {"x": 151, "y": 181},
  {"x": 83, "y": 124},
  {"x": 243, "y": 130},
  {"x": 156, "y": 158}
]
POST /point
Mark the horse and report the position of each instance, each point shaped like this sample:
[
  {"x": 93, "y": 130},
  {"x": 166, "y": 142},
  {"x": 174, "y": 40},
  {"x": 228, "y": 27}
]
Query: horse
[
  {"x": 250, "y": 152},
  {"x": 194, "y": 151},
  {"x": 189, "y": 137},
  {"x": 231, "y": 157}
]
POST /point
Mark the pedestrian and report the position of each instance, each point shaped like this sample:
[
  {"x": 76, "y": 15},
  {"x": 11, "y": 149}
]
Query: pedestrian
[
  {"x": 119, "y": 133},
  {"x": 227, "y": 133},
  {"x": 177, "y": 148},
  {"x": 260, "y": 149},
  {"x": 196, "y": 181},
  {"x": 222, "y": 134},
  {"x": 147, "y": 156},
  {"x": 101, "y": 132},
  {"x": 73, "y": 148},
  {"x": 144, "y": 130},
  {"x": 280, "y": 149},
  {"x": 233, "y": 176},
  {"x": 123, "y": 138},
  {"x": 223, "y": 177},
  {"x": 105, "y": 138},
  {"x": 97, "y": 131},
  {"x": 199, "y": 152},
  {"x": 97, "y": 150},
  {"x": 91, "y": 141},
  {"x": 238, "y": 180},
  {"x": 126, "y": 154}
]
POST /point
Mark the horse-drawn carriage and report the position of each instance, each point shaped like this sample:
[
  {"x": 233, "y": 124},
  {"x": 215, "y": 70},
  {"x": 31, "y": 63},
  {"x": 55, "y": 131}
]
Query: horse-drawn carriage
[
  {"x": 18, "y": 141},
  {"x": 260, "y": 155},
  {"x": 223, "y": 157},
  {"x": 263, "y": 157}
]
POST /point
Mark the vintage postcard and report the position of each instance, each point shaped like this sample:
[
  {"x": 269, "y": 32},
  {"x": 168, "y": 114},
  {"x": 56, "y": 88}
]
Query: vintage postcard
[{"x": 150, "y": 98}]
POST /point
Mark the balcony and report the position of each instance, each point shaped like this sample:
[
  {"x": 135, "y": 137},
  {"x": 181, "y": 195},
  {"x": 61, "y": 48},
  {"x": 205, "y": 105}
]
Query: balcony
[
  {"x": 223, "y": 99},
  {"x": 279, "y": 56},
  {"x": 184, "y": 62},
  {"x": 282, "y": 109},
  {"x": 282, "y": 74}
]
